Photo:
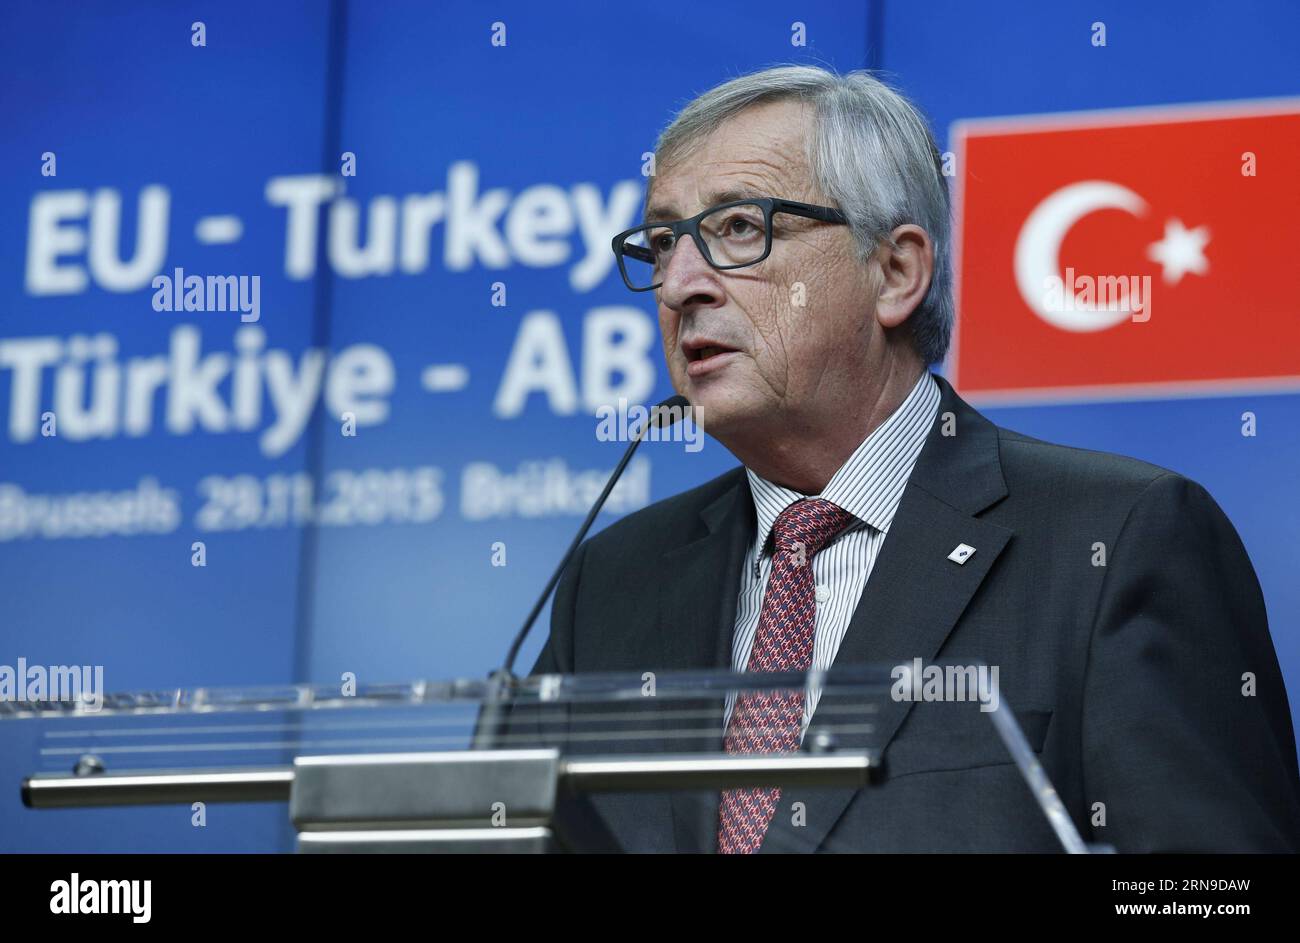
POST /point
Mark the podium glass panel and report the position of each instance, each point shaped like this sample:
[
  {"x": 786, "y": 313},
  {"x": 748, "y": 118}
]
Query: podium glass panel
[{"x": 531, "y": 765}]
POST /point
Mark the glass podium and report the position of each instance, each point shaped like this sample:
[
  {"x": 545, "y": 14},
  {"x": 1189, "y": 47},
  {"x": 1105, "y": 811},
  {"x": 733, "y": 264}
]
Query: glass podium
[{"x": 474, "y": 765}]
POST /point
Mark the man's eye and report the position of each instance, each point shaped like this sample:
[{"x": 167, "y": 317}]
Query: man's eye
[
  {"x": 741, "y": 226},
  {"x": 662, "y": 243}
]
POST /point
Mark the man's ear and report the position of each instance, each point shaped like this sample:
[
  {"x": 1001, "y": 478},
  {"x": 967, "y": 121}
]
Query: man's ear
[{"x": 905, "y": 268}]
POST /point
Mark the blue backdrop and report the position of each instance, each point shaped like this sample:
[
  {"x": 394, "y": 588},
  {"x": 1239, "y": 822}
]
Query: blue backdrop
[{"x": 392, "y": 172}]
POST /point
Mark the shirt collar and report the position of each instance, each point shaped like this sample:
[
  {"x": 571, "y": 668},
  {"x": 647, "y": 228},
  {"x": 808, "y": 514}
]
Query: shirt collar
[{"x": 869, "y": 485}]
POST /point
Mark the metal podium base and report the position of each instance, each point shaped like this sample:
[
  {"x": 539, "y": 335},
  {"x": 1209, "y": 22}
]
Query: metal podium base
[{"x": 505, "y": 801}]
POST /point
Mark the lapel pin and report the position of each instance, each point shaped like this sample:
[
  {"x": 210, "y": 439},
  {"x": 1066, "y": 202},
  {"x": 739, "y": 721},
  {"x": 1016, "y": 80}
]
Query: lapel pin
[{"x": 961, "y": 554}]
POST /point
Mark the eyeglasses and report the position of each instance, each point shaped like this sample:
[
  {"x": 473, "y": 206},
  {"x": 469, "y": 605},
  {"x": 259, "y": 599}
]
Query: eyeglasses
[{"x": 730, "y": 235}]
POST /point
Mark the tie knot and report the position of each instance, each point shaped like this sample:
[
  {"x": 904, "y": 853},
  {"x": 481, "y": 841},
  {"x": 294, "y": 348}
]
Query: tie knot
[{"x": 811, "y": 522}]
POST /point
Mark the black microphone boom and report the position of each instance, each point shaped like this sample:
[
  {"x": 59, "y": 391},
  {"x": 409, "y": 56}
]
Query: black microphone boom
[{"x": 492, "y": 715}]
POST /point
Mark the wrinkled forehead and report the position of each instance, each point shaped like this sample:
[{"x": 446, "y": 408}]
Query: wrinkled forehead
[{"x": 759, "y": 152}]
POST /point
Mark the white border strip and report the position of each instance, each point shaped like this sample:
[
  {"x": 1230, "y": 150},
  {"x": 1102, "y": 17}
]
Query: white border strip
[
  {"x": 1182, "y": 113},
  {"x": 1174, "y": 389}
]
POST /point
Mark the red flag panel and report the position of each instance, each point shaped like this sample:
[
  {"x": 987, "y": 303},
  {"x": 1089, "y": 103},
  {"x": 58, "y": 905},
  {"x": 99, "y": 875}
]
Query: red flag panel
[{"x": 1128, "y": 252}]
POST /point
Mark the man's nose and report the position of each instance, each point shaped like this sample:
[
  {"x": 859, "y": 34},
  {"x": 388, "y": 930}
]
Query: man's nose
[{"x": 689, "y": 280}]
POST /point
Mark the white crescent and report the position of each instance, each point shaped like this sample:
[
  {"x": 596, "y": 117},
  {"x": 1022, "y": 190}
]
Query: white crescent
[{"x": 1038, "y": 250}]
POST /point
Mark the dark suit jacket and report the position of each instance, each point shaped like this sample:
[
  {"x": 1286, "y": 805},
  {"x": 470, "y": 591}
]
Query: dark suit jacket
[{"x": 1127, "y": 678}]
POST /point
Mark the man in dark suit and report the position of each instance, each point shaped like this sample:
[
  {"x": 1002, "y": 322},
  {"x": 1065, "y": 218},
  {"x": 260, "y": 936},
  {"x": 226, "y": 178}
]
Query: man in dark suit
[{"x": 799, "y": 258}]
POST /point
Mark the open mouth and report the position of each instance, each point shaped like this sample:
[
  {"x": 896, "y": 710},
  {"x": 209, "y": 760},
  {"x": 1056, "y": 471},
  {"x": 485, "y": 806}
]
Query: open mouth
[
  {"x": 704, "y": 353},
  {"x": 705, "y": 358},
  {"x": 704, "y": 349}
]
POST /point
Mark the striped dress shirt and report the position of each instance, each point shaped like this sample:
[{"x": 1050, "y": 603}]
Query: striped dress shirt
[{"x": 869, "y": 486}]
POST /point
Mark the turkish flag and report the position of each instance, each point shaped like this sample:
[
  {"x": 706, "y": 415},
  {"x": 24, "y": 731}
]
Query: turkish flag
[{"x": 1129, "y": 252}]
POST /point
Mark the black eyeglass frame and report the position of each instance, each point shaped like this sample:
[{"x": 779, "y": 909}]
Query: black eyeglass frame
[{"x": 691, "y": 227}]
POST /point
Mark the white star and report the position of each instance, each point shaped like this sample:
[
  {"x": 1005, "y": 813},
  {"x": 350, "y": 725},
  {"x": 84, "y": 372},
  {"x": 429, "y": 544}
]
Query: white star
[{"x": 1181, "y": 251}]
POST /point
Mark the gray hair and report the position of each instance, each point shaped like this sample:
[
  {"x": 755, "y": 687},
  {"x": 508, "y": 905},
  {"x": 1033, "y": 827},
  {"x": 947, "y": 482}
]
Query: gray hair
[{"x": 870, "y": 151}]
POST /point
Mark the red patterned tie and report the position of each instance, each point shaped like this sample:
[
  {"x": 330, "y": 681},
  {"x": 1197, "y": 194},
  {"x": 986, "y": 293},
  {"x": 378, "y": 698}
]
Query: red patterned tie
[{"x": 769, "y": 722}]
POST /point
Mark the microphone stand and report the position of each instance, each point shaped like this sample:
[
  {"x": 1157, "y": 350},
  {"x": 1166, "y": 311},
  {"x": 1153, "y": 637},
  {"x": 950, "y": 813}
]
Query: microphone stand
[{"x": 489, "y": 728}]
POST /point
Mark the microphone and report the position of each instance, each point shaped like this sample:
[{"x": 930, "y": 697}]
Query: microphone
[{"x": 489, "y": 726}]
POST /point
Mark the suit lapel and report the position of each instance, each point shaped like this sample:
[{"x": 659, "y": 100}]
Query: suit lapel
[
  {"x": 698, "y": 601},
  {"x": 697, "y": 618},
  {"x": 915, "y": 594}
]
